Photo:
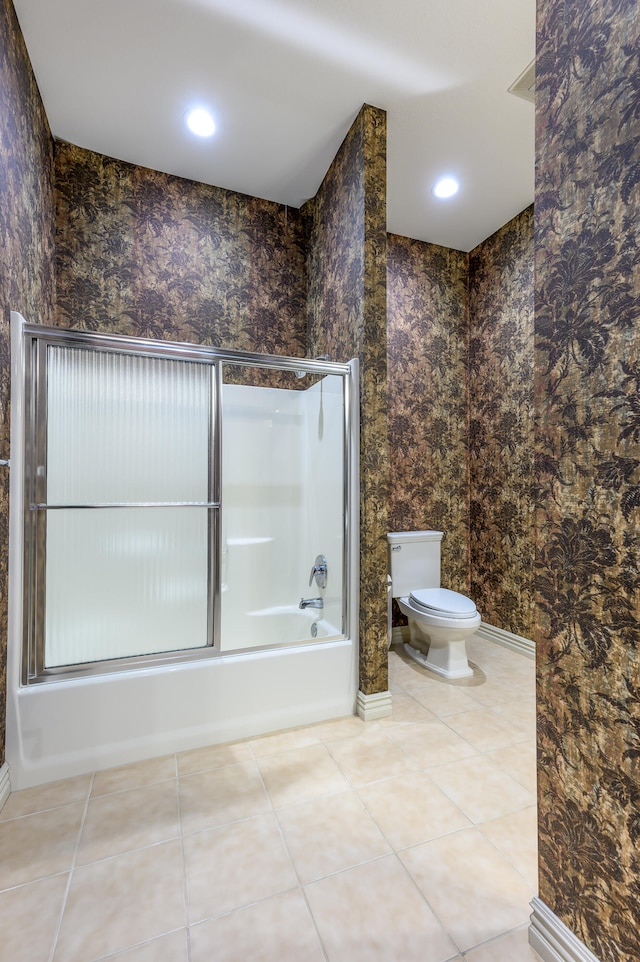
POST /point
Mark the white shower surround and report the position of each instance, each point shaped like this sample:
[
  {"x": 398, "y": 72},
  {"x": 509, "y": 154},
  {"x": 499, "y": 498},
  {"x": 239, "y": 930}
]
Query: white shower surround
[
  {"x": 61, "y": 729},
  {"x": 282, "y": 506}
]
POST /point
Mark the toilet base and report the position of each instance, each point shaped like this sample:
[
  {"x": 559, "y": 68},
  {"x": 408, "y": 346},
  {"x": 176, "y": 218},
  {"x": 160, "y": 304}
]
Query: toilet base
[{"x": 449, "y": 660}]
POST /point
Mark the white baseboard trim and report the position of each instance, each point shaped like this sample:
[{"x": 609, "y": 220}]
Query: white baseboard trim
[
  {"x": 5, "y": 784},
  {"x": 551, "y": 938},
  {"x": 508, "y": 640},
  {"x": 370, "y": 707}
]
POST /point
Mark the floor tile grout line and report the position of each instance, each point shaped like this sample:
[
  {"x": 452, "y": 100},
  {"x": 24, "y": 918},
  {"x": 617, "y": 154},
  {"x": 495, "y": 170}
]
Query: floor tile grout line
[
  {"x": 216, "y": 768},
  {"x": 494, "y": 939},
  {"x": 520, "y": 783},
  {"x": 256, "y": 762},
  {"x": 382, "y": 778},
  {"x": 504, "y": 771},
  {"x": 273, "y": 813},
  {"x": 506, "y": 857},
  {"x": 185, "y": 887},
  {"x": 128, "y": 851},
  {"x": 395, "y": 848},
  {"x": 481, "y": 751},
  {"x": 133, "y": 788},
  {"x": 277, "y": 809},
  {"x": 118, "y": 954},
  {"x": 301, "y": 885},
  {"x": 428, "y": 903},
  {"x": 353, "y": 789},
  {"x": 41, "y": 811},
  {"x": 499, "y": 770},
  {"x": 65, "y": 898},
  {"x": 461, "y": 952},
  {"x": 454, "y": 803},
  {"x": 35, "y": 881}
]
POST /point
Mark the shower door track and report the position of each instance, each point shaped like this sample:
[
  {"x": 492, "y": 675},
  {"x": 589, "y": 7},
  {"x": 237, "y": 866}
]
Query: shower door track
[{"x": 181, "y": 350}]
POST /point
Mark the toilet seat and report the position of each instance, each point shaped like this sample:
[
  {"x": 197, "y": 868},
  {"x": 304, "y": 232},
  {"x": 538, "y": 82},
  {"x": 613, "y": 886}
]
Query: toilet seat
[
  {"x": 440, "y": 619},
  {"x": 443, "y": 603}
]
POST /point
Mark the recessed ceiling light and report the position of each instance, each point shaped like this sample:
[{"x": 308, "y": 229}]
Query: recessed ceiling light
[
  {"x": 200, "y": 122},
  {"x": 445, "y": 187}
]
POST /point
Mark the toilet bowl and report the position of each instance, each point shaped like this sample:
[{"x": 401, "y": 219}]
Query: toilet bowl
[{"x": 440, "y": 620}]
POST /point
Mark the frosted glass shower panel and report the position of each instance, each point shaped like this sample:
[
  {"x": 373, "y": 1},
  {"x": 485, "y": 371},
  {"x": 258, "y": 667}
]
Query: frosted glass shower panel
[
  {"x": 126, "y": 428},
  {"x": 128, "y": 522},
  {"x": 124, "y": 582}
]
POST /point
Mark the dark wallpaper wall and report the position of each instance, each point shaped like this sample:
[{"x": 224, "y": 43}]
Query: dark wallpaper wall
[
  {"x": 374, "y": 461},
  {"x": 428, "y": 398},
  {"x": 27, "y": 278},
  {"x": 587, "y": 433},
  {"x": 460, "y": 361},
  {"x": 348, "y": 318},
  {"x": 146, "y": 254},
  {"x": 501, "y": 458},
  {"x": 335, "y": 219}
]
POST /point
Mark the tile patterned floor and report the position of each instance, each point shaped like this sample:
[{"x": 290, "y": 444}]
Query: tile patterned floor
[{"x": 410, "y": 838}]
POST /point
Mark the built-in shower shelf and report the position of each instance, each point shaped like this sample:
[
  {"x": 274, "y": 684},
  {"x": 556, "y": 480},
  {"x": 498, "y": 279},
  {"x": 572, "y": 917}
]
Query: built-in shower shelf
[{"x": 236, "y": 542}]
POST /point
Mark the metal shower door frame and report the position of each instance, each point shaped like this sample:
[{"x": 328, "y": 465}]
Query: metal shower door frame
[{"x": 37, "y": 339}]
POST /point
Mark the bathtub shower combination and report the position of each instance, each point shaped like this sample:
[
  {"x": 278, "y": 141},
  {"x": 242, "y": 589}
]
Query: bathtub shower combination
[{"x": 183, "y": 552}]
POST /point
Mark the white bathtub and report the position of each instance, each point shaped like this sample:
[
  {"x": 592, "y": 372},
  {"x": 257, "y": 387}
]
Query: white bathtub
[
  {"x": 276, "y": 626},
  {"x": 60, "y": 729}
]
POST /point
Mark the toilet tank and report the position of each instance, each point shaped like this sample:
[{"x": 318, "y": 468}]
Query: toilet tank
[{"x": 414, "y": 560}]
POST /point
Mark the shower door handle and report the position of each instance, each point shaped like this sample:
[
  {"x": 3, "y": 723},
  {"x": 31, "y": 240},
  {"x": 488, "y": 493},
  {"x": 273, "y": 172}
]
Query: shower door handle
[{"x": 319, "y": 572}]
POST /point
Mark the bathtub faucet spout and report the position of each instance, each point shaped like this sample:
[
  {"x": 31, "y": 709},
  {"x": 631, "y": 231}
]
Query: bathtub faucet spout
[{"x": 311, "y": 603}]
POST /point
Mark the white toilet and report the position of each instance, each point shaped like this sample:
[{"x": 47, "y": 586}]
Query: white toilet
[{"x": 440, "y": 620}]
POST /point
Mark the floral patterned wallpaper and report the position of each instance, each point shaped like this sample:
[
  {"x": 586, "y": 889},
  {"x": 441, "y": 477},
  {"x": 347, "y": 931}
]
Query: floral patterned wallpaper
[
  {"x": 374, "y": 457},
  {"x": 501, "y": 458},
  {"x": 460, "y": 356},
  {"x": 588, "y": 469},
  {"x": 27, "y": 278},
  {"x": 335, "y": 219},
  {"x": 150, "y": 255},
  {"x": 348, "y": 318},
  {"x": 428, "y": 316}
]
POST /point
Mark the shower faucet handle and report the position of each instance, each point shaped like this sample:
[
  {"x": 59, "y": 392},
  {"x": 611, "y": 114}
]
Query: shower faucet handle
[{"x": 319, "y": 572}]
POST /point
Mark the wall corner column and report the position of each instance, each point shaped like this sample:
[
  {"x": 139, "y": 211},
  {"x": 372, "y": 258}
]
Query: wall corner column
[{"x": 347, "y": 317}]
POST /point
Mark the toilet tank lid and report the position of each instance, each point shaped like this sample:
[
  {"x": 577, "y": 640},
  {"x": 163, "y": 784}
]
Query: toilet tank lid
[
  {"x": 400, "y": 537},
  {"x": 443, "y": 600}
]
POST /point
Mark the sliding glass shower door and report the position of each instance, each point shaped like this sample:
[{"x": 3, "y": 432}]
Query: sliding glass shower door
[
  {"x": 178, "y": 502},
  {"x": 124, "y": 505}
]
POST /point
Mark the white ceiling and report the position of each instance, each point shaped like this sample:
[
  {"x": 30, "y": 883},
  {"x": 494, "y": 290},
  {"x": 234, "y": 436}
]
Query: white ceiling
[{"x": 285, "y": 80}]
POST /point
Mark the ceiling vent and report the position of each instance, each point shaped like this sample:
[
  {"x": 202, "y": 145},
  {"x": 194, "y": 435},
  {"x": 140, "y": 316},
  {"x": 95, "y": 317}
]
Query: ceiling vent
[{"x": 525, "y": 85}]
